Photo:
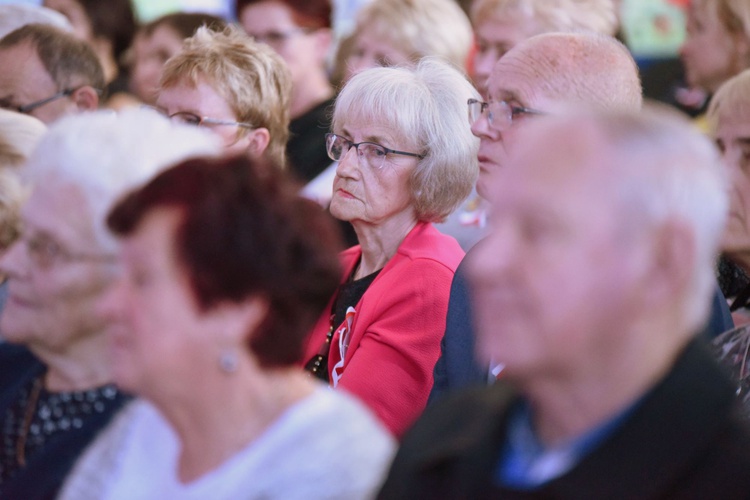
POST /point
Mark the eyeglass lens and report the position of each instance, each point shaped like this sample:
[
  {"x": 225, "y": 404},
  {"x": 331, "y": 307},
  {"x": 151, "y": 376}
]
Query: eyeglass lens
[{"x": 372, "y": 154}]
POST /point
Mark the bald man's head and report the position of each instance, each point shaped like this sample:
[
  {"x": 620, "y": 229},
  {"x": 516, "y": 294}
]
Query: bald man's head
[
  {"x": 545, "y": 74},
  {"x": 592, "y": 69}
]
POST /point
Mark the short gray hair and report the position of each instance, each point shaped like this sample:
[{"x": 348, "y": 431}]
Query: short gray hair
[
  {"x": 427, "y": 104},
  {"x": 13, "y": 16},
  {"x": 669, "y": 170},
  {"x": 105, "y": 154}
]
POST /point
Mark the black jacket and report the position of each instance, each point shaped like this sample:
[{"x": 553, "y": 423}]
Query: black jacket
[{"x": 684, "y": 440}]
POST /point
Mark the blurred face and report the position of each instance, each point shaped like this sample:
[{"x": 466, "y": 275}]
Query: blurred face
[
  {"x": 75, "y": 14},
  {"x": 518, "y": 83},
  {"x": 555, "y": 272},
  {"x": 372, "y": 50},
  {"x": 364, "y": 194},
  {"x": 304, "y": 50},
  {"x": 496, "y": 36},
  {"x": 150, "y": 52},
  {"x": 55, "y": 271},
  {"x": 203, "y": 101},
  {"x": 733, "y": 140},
  {"x": 25, "y": 81},
  {"x": 157, "y": 332},
  {"x": 711, "y": 54}
]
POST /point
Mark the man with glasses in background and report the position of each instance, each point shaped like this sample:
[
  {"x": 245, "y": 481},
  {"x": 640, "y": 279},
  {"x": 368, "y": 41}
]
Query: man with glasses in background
[
  {"x": 48, "y": 73},
  {"x": 498, "y": 26},
  {"x": 534, "y": 79}
]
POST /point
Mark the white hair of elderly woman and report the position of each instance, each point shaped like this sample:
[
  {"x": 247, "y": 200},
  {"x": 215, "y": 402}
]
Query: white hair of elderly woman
[
  {"x": 13, "y": 16},
  {"x": 106, "y": 154}
]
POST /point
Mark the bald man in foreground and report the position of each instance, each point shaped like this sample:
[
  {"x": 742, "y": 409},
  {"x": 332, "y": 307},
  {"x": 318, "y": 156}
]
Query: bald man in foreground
[
  {"x": 530, "y": 83},
  {"x": 596, "y": 273}
]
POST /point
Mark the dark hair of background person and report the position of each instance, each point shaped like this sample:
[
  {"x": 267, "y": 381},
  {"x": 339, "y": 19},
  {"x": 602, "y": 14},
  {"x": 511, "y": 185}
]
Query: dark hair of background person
[
  {"x": 68, "y": 60},
  {"x": 113, "y": 20},
  {"x": 314, "y": 14},
  {"x": 185, "y": 23},
  {"x": 245, "y": 232}
]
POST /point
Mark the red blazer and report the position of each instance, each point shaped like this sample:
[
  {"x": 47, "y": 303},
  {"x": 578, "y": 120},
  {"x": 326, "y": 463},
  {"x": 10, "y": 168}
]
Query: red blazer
[{"x": 396, "y": 331}]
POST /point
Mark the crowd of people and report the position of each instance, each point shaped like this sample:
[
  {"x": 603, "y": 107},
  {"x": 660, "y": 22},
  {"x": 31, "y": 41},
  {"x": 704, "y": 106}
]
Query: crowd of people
[{"x": 452, "y": 252}]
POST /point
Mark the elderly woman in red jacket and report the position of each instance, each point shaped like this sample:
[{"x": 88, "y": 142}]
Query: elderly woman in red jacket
[{"x": 406, "y": 158}]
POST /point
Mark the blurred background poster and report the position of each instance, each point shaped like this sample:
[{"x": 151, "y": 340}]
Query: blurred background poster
[{"x": 653, "y": 28}]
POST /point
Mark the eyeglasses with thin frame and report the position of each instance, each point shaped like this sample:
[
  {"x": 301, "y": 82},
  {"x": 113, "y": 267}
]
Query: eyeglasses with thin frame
[
  {"x": 277, "y": 37},
  {"x": 372, "y": 153},
  {"x": 45, "y": 252},
  {"x": 499, "y": 114},
  {"x": 189, "y": 118},
  {"x": 28, "y": 108}
]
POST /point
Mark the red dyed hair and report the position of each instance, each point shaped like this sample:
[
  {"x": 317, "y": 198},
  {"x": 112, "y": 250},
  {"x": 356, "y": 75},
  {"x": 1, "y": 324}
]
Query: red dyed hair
[
  {"x": 306, "y": 13},
  {"x": 245, "y": 232}
]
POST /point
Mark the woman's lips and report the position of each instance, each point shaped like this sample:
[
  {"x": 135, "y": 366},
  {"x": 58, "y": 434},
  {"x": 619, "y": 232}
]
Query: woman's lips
[{"x": 344, "y": 193}]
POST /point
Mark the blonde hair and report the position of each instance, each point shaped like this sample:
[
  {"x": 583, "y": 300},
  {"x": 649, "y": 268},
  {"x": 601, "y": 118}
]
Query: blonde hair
[
  {"x": 421, "y": 28},
  {"x": 426, "y": 103},
  {"x": 733, "y": 97},
  {"x": 250, "y": 76},
  {"x": 599, "y": 16}
]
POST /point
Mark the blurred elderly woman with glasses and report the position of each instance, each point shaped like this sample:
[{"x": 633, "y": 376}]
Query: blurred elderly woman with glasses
[
  {"x": 405, "y": 160},
  {"x": 235, "y": 87},
  {"x": 19, "y": 135},
  {"x": 56, "y": 388},
  {"x": 225, "y": 270}
]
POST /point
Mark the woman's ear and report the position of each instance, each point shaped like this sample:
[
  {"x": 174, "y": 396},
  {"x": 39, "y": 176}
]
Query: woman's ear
[{"x": 235, "y": 323}]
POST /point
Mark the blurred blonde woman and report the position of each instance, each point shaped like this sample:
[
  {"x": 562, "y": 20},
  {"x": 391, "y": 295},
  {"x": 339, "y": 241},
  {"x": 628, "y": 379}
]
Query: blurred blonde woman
[
  {"x": 398, "y": 32},
  {"x": 235, "y": 87},
  {"x": 501, "y": 24}
]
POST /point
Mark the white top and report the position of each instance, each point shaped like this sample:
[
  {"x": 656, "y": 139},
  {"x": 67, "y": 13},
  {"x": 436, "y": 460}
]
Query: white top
[{"x": 325, "y": 446}]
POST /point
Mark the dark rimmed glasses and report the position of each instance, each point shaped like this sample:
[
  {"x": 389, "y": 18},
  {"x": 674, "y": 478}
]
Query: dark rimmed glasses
[
  {"x": 189, "y": 118},
  {"x": 499, "y": 114},
  {"x": 28, "y": 108},
  {"x": 373, "y": 154}
]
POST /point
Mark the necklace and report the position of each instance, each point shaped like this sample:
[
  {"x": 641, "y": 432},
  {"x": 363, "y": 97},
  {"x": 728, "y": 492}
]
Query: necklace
[{"x": 36, "y": 390}]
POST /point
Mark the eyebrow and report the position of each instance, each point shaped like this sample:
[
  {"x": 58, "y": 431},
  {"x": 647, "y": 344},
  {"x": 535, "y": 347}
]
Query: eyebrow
[
  {"x": 369, "y": 138},
  {"x": 510, "y": 96},
  {"x": 378, "y": 139}
]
